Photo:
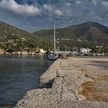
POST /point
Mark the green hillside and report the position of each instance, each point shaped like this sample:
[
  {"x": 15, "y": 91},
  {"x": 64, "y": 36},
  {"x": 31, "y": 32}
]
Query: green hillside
[
  {"x": 13, "y": 38},
  {"x": 90, "y": 31},
  {"x": 89, "y": 34}
]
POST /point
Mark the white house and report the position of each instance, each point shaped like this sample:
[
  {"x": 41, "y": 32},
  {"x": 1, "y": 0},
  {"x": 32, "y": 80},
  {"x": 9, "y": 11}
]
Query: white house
[
  {"x": 85, "y": 50},
  {"x": 1, "y": 51},
  {"x": 41, "y": 50}
]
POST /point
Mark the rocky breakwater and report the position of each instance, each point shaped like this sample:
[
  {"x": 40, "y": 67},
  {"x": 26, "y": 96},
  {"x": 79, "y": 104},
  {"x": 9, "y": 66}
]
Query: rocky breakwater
[{"x": 72, "y": 83}]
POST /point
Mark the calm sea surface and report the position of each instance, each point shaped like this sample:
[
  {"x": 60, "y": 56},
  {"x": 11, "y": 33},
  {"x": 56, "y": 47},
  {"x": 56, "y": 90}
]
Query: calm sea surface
[{"x": 18, "y": 75}]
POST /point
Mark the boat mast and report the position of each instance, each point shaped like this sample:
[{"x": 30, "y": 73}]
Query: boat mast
[{"x": 54, "y": 37}]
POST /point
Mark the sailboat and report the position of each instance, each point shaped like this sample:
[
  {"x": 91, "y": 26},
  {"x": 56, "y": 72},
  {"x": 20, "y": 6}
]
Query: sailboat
[{"x": 53, "y": 55}]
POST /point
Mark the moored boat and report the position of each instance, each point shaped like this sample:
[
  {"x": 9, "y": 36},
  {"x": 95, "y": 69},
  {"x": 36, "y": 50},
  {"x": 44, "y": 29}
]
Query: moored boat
[{"x": 52, "y": 56}]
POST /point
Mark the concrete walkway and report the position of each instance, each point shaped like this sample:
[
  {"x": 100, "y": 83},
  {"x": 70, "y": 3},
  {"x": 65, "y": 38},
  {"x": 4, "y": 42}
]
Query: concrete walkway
[{"x": 74, "y": 82}]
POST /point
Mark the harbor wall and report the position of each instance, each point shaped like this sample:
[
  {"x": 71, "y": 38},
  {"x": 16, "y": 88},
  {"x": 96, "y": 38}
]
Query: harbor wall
[{"x": 66, "y": 77}]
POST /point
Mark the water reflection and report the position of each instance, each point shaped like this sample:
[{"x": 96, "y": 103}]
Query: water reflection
[{"x": 18, "y": 75}]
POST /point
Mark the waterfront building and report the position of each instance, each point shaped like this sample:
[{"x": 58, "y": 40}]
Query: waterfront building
[{"x": 1, "y": 51}]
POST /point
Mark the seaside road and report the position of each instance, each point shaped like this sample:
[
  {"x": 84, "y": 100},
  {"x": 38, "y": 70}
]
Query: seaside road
[{"x": 76, "y": 83}]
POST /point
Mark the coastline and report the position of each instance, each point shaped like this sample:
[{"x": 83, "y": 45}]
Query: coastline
[{"x": 64, "y": 83}]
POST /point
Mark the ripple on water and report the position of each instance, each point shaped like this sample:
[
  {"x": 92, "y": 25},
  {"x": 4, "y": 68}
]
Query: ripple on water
[{"x": 18, "y": 75}]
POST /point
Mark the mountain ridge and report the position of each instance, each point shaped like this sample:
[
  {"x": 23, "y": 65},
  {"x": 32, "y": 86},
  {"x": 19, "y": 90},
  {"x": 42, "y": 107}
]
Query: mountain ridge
[
  {"x": 87, "y": 34},
  {"x": 91, "y": 31},
  {"x": 13, "y": 38}
]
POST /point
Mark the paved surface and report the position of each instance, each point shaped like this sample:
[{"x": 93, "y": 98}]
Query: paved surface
[{"x": 76, "y": 83}]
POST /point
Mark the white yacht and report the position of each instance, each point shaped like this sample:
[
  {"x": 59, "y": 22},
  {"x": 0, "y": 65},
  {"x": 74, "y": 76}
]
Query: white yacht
[{"x": 53, "y": 55}]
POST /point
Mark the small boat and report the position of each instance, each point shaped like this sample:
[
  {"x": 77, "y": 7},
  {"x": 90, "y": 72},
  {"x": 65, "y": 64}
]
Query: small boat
[{"x": 52, "y": 56}]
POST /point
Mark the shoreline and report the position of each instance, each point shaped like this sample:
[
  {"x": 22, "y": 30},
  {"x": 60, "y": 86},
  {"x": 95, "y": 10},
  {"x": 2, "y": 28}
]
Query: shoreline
[
  {"x": 62, "y": 85},
  {"x": 21, "y": 74}
]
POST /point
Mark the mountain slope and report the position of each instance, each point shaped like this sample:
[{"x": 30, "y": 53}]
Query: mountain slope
[
  {"x": 13, "y": 38},
  {"x": 9, "y": 32},
  {"x": 83, "y": 35},
  {"x": 89, "y": 31}
]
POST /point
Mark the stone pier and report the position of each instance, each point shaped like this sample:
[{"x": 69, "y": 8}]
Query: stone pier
[{"x": 71, "y": 83}]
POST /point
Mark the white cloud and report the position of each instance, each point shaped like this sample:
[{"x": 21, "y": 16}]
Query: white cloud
[
  {"x": 58, "y": 12},
  {"x": 94, "y": 2},
  {"x": 78, "y": 2},
  {"x": 98, "y": 18},
  {"x": 47, "y": 7},
  {"x": 25, "y": 9},
  {"x": 105, "y": 3},
  {"x": 68, "y": 4},
  {"x": 52, "y": 9}
]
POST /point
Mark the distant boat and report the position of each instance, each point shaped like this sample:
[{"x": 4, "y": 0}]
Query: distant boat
[{"x": 53, "y": 55}]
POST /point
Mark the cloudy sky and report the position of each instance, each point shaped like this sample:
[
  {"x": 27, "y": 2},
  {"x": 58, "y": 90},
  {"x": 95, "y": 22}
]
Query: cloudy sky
[{"x": 32, "y": 15}]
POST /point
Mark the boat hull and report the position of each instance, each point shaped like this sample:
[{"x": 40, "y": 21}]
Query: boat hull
[{"x": 52, "y": 56}]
